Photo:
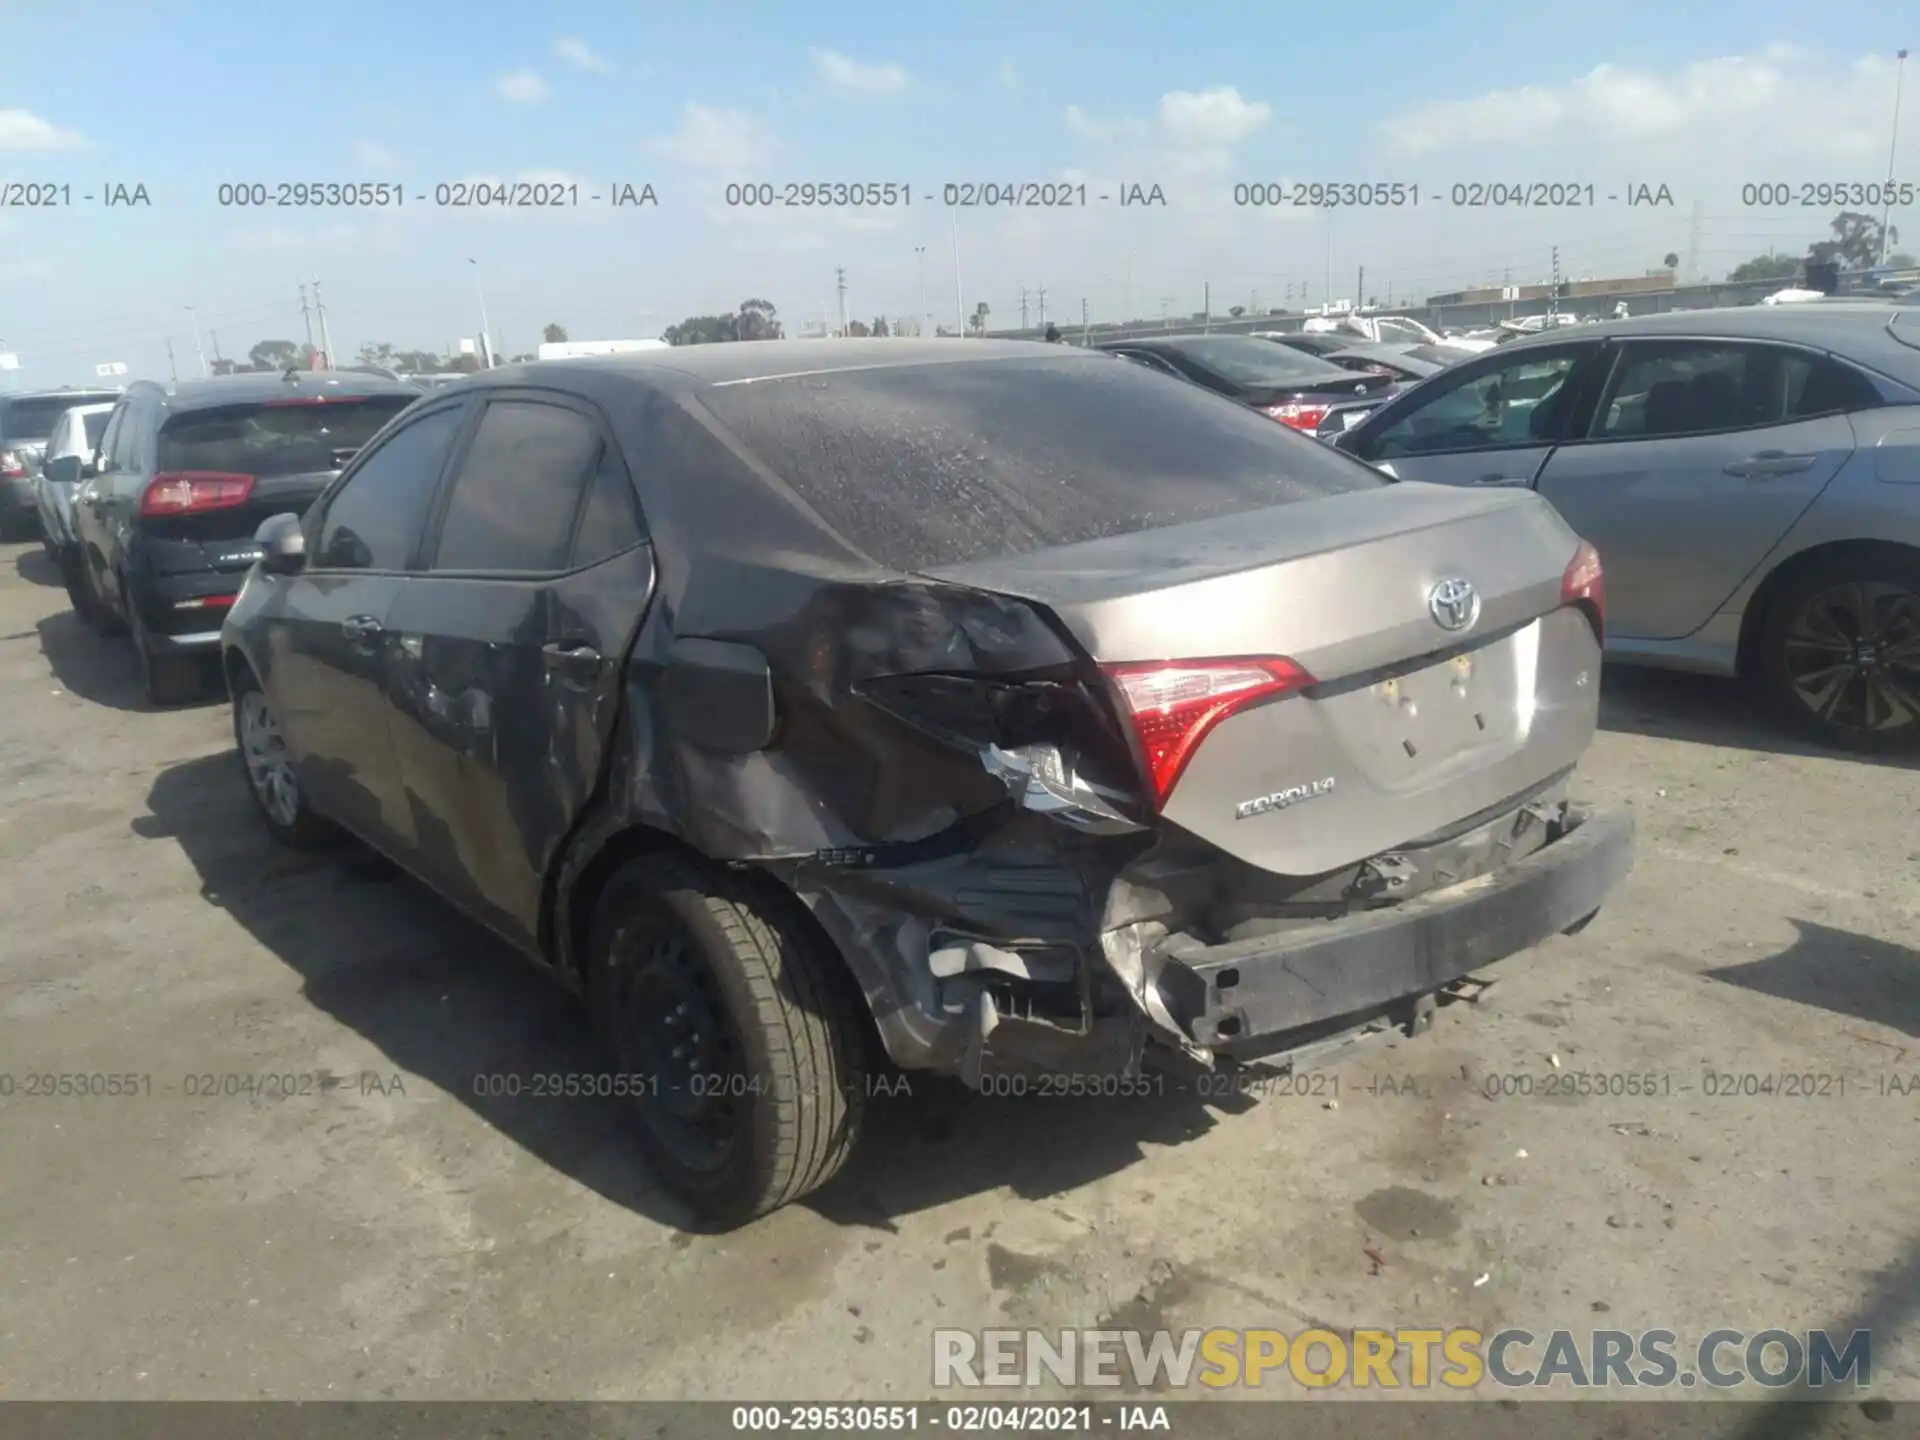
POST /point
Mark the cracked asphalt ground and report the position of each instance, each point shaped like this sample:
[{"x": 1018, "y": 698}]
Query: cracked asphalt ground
[{"x": 401, "y": 1233}]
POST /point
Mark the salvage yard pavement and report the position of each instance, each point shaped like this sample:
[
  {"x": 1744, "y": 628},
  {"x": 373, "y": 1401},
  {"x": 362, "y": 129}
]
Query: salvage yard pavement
[{"x": 309, "y": 1178}]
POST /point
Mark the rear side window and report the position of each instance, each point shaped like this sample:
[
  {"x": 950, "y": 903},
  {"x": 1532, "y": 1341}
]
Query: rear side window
[
  {"x": 34, "y": 418},
  {"x": 513, "y": 503},
  {"x": 375, "y": 520},
  {"x": 608, "y": 525},
  {"x": 276, "y": 437},
  {"x": 1696, "y": 387},
  {"x": 940, "y": 464}
]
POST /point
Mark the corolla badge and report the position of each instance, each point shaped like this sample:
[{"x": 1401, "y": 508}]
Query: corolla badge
[
  {"x": 1281, "y": 799},
  {"x": 1454, "y": 604}
]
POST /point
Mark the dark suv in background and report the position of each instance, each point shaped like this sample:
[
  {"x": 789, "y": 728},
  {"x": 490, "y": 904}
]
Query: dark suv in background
[
  {"x": 185, "y": 474},
  {"x": 26, "y": 420}
]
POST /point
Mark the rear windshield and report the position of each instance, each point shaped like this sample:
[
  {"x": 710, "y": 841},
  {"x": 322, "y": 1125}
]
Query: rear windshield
[
  {"x": 1247, "y": 361},
  {"x": 921, "y": 466},
  {"x": 276, "y": 437},
  {"x": 33, "y": 419}
]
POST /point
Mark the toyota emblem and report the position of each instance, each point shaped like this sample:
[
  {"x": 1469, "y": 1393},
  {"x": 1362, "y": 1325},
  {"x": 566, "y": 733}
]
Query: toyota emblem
[{"x": 1454, "y": 604}]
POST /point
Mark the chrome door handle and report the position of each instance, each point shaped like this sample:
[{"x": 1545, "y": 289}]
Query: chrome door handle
[
  {"x": 360, "y": 628},
  {"x": 1501, "y": 480},
  {"x": 1769, "y": 463},
  {"x": 559, "y": 656}
]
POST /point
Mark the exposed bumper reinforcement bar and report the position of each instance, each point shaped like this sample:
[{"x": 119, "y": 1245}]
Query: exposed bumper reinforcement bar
[{"x": 1229, "y": 995}]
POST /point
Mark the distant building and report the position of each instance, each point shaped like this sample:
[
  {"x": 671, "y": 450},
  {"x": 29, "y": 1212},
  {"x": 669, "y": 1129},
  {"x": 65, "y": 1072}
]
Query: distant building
[{"x": 1653, "y": 282}]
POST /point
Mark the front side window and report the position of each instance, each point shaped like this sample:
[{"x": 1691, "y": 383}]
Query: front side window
[
  {"x": 513, "y": 503},
  {"x": 374, "y": 521},
  {"x": 1522, "y": 401}
]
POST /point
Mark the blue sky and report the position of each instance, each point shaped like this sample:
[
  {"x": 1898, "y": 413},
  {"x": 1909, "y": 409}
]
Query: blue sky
[{"x": 1699, "y": 97}]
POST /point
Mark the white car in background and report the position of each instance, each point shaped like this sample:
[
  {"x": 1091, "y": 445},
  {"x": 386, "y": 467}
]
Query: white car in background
[{"x": 71, "y": 446}]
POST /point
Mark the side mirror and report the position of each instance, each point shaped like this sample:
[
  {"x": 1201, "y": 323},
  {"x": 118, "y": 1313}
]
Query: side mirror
[
  {"x": 64, "y": 470},
  {"x": 283, "y": 544}
]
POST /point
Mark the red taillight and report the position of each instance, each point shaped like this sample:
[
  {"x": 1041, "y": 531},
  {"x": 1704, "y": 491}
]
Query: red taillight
[
  {"x": 1174, "y": 703},
  {"x": 1585, "y": 584},
  {"x": 206, "y": 602},
  {"x": 1299, "y": 417},
  {"x": 187, "y": 492},
  {"x": 12, "y": 467}
]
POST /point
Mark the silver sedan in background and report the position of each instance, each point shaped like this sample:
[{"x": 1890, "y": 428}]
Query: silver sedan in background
[
  {"x": 1750, "y": 477},
  {"x": 71, "y": 446}
]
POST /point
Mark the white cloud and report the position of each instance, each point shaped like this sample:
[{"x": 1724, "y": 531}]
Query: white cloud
[
  {"x": 1089, "y": 127},
  {"x": 374, "y": 157},
  {"x": 857, "y": 77},
  {"x": 579, "y": 53},
  {"x": 522, "y": 87},
  {"x": 1009, "y": 74},
  {"x": 715, "y": 139},
  {"x": 23, "y": 130},
  {"x": 1752, "y": 111},
  {"x": 1209, "y": 118}
]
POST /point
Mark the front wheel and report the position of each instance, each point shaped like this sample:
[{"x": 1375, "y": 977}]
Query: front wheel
[
  {"x": 737, "y": 1030},
  {"x": 1841, "y": 653}
]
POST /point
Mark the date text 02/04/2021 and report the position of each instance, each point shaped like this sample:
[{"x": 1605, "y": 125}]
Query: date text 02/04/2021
[{"x": 446, "y": 195}]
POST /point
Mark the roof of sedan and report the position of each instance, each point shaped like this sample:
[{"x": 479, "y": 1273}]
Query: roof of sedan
[{"x": 743, "y": 361}]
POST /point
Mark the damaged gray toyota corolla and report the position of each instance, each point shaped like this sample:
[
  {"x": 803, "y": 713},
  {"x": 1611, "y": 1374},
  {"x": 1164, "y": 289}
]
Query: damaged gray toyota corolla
[{"x": 1052, "y": 713}]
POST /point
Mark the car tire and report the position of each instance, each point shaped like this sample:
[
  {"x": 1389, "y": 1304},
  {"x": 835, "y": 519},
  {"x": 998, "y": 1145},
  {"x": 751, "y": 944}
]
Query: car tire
[
  {"x": 164, "y": 679},
  {"x": 73, "y": 576},
  {"x": 98, "y": 616},
  {"x": 1840, "y": 653},
  {"x": 1582, "y": 923},
  {"x": 276, "y": 791},
  {"x": 741, "y": 1032}
]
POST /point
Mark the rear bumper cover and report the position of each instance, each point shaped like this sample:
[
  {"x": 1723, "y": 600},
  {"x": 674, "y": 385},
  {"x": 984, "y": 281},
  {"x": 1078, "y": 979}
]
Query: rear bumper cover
[{"x": 1232, "y": 994}]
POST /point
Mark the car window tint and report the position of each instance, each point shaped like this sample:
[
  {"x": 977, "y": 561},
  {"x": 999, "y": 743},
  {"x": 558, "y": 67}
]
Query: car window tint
[
  {"x": 111, "y": 439},
  {"x": 608, "y": 525},
  {"x": 376, "y": 518},
  {"x": 514, "y": 500},
  {"x": 941, "y": 464},
  {"x": 1814, "y": 385},
  {"x": 1521, "y": 402},
  {"x": 96, "y": 426},
  {"x": 273, "y": 438},
  {"x": 1691, "y": 388}
]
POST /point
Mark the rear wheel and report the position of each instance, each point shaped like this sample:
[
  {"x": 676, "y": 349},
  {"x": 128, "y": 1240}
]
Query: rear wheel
[
  {"x": 269, "y": 769},
  {"x": 73, "y": 577},
  {"x": 1841, "y": 653},
  {"x": 93, "y": 608},
  {"x": 166, "y": 679},
  {"x": 741, "y": 1036}
]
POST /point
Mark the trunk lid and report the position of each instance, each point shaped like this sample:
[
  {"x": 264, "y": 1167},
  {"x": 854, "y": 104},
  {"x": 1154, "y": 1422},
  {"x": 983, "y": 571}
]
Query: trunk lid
[
  {"x": 222, "y": 540},
  {"x": 1407, "y": 728}
]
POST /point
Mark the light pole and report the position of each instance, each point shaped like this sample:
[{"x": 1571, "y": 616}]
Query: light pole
[
  {"x": 959, "y": 303},
  {"x": 920, "y": 260},
  {"x": 199, "y": 349},
  {"x": 1893, "y": 151},
  {"x": 486, "y": 329}
]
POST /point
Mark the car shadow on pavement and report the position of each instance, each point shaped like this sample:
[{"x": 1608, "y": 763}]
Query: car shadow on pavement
[
  {"x": 1853, "y": 975},
  {"x": 100, "y": 668},
  {"x": 441, "y": 998},
  {"x": 36, "y": 567},
  {"x": 1708, "y": 710}
]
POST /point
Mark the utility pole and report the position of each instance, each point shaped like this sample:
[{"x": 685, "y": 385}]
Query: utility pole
[
  {"x": 173, "y": 372},
  {"x": 920, "y": 263},
  {"x": 840, "y": 289},
  {"x": 1329, "y": 305},
  {"x": 1165, "y": 301},
  {"x": 486, "y": 326},
  {"x": 1206, "y": 306},
  {"x": 1023, "y": 307},
  {"x": 1086, "y": 325},
  {"x": 959, "y": 303},
  {"x": 1043, "y": 305},
  {"x": 326, "y": 340},
  {"x": 1553, "y": 294},
  {"x": 1893, "y": 154},
  {"x": 306, "y": 318},
  {"x": 214, "y": 336},
  {"x": 1360, "y": 288}
]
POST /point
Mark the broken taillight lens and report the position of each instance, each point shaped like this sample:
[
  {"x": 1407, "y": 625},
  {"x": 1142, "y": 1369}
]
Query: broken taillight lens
[
  {"x": 187, "y": 492},
  {"x": 1585, "y": 585},
  {"x": 1173, "y": 704}
]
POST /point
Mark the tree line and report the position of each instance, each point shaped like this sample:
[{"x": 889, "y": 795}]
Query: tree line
[{"x": 1855, "y": 244}]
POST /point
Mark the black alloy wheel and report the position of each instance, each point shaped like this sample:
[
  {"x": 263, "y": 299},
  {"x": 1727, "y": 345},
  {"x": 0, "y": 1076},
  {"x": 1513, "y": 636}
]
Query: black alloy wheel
[{"x": 1843, "y": 654}]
